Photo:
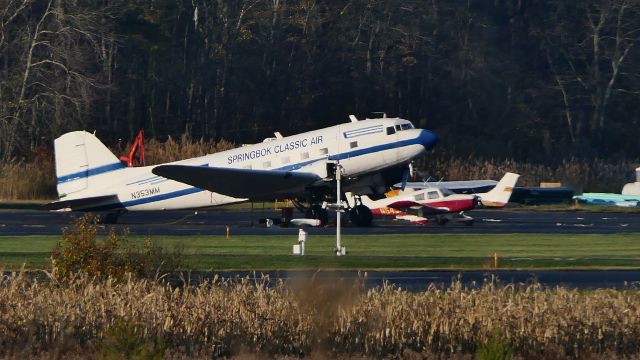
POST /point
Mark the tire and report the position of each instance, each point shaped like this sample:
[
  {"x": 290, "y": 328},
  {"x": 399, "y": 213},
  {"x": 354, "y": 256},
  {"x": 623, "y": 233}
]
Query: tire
[
  {"x": 317, "y": 212},
  {"x": 361, "y": 216}
]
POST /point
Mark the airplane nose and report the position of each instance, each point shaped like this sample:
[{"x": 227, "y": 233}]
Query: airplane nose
[{"x": 428, "y": 139}]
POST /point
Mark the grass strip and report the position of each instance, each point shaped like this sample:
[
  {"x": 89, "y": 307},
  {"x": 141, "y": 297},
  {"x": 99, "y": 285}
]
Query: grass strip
[{"x": 406, "y": 251}]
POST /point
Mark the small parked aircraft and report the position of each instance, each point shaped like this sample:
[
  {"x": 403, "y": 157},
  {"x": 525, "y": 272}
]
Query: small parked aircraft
[
  {"x": 630, "y": 196},
  {"x": 372, "y": 154},
  {"x": 418, "y": 205}
]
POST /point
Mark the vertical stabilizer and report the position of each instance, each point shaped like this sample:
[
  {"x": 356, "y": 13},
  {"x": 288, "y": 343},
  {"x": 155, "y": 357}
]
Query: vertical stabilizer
[
  {"x": 499, "y": 196},
  {"x": 80, "y": 159}
]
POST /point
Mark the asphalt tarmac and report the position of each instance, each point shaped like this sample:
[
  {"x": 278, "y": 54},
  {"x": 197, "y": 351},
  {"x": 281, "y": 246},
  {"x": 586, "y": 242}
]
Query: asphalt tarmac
[
  {"x": 247, "y": 222},
  {"x": 420, "y": 280}
]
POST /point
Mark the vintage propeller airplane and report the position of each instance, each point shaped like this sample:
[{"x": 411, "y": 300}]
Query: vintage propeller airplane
[
  {"x": 439, "y": 203},
  {"x": 372, "y": 153}
]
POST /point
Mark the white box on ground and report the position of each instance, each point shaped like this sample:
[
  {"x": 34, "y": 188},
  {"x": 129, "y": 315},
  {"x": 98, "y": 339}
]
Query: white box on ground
[{"x": 296, "y": 250}]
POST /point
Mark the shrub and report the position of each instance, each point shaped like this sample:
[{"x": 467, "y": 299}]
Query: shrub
[
  {"x": 497, "y": 347},
  {"x": 123, "y": 341},
  {"x": 80, "y": 251}
]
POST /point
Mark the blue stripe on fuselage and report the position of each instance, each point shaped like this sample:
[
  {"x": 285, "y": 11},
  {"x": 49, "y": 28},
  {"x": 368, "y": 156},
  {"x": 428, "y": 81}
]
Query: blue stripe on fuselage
[
  {"x": 90, "y": 172},
  {"x": 375, "y": 149},
  {"x": 150, "y": 199}
]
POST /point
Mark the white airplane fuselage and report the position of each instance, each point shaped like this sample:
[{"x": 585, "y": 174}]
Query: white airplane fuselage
[{"x": 361, "y": 147}]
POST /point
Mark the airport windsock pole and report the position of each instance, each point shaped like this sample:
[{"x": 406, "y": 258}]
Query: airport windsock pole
[{"x": 338, "y": 207}]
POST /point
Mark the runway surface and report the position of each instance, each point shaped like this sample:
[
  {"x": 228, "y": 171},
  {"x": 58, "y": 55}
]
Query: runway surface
[
  {"x": 420, "y": 280},
  {"x": 246, "y": 222}
]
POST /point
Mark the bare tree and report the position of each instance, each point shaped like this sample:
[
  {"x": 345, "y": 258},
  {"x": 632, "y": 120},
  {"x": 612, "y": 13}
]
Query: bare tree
[
  {"x": 586, "y": 61},
  {"x": 56, "y": 49}
]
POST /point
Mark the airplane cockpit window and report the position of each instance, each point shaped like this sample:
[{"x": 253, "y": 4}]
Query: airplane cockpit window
[
  {"x": 324, "y": 151},
  {"x": 353, "y": 144},
  {"x": 419, "y": 197},
  {"x": 432, "y": 195},
  {"x": 404, "y": 126},
  {"x": 391, "y": 130}
]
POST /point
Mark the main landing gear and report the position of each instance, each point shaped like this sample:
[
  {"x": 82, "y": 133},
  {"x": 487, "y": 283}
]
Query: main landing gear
[
  {"x": 315, "y": 211},
  {"x": 360, "y": 215}
]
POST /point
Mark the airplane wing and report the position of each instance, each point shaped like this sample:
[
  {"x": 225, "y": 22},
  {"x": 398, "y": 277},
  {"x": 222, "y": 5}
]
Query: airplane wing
[
  {"x": 81, "y": 204},
  {"x": 455, "y": 186},
  {"x": 240, "y": 183}
]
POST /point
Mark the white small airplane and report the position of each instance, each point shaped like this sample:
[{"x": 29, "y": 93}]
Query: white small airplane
[
  {"x": 418, "y": 205},
  {"x": 372, "y": 153}
]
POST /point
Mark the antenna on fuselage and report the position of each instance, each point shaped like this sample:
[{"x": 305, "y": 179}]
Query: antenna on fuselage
[
  {"x": 384, "y": 114},
  {"x": 278, "y": 135},
  {"x": 353, "y": 118}
]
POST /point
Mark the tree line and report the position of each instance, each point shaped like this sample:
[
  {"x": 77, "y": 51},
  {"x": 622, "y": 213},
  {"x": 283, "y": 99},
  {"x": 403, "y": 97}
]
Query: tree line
[{"x": 537, "y": 80}]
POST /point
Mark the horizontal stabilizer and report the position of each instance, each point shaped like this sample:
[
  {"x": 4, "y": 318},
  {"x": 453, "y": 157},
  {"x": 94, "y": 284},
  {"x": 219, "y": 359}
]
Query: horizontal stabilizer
[
  {"x": 239, "y": 183},
  {"x": 82, "y": 203}
]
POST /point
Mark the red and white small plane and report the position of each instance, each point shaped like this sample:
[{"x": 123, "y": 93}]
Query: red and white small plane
[{"x": 417, "y": 206}]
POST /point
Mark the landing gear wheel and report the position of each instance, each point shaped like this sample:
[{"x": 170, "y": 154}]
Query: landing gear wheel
[
  {"x": 361, "y": 215},
  {"x": 317, "y": 212}
]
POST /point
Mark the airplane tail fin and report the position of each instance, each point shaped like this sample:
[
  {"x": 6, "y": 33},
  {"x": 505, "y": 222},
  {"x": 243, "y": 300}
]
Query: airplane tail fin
[
  {"x": 499, "y": 196},
  {"x": 80, "y": 160}
]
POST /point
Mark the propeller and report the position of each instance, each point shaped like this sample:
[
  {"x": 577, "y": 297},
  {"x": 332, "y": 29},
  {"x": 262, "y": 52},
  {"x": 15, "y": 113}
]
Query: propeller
[{"x": 408, "y": 173}]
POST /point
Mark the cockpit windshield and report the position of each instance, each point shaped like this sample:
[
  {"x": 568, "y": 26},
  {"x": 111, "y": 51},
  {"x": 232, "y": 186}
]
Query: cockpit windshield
[{"x": 404, "y": 126}]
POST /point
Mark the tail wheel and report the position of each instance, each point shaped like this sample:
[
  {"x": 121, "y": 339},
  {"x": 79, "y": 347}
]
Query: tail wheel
[
  {"x": 317, "y": 212},
  {"x": 361, "y": 215}
]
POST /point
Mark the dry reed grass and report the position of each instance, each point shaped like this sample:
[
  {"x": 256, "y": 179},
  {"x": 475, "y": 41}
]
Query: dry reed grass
[
  {"x": 226, "y": 318},
  {"x": 157, "y": 152},
  {"x": 27, "y": 181}
]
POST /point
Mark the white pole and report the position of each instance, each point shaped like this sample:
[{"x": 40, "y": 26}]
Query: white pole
[{"x": 338, "y": 207}]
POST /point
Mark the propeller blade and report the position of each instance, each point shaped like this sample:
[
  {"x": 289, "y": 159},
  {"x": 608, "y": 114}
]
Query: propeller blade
[{"x": 405, "y": 177}]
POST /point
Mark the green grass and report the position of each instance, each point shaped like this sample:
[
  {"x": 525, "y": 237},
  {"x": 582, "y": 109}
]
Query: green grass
[{"x": 412, "y": 251}]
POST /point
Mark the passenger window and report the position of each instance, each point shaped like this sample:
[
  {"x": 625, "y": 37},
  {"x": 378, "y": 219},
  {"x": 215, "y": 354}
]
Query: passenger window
[
  {"x": 391, "y": 130},
  {"x": 406, "y": 126},
  {"x": 432, "y": 195},
  {"x": 266, "y": 164},
  {"x": 353, "y": 144},
  {"x": 304, "y": 155},
  {"x": 286, "y": 160},
  {"x": 419, "y": 197},
  {"x": 398, "y": 128},
  {"x": 324, "y": 151}
]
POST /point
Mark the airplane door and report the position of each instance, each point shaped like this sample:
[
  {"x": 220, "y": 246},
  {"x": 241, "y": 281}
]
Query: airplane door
[{"x": 391, "y": 133}]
